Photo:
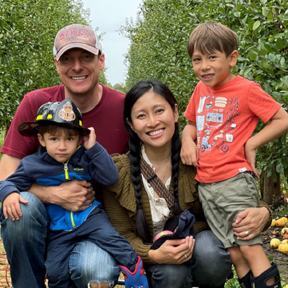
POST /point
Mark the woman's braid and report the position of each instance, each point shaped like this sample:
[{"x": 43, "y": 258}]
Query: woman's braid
[{"x": 134, "y": 156}]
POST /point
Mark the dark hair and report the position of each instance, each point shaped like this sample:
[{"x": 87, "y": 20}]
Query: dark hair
[
  {"x": 211, "y": 36},
  {"x": 132, "y": 96},
  {"x": 57, "y": 130}
]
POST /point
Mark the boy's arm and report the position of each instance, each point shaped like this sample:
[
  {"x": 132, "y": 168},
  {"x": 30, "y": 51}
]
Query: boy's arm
[
  {"x": 276, "y": 127},
  {"x": 101, "y": 165},
  {"x": 189, "y": 151}
]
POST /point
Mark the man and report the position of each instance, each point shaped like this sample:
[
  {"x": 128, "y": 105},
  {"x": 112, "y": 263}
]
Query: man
[{"x": 78, "y": 57}]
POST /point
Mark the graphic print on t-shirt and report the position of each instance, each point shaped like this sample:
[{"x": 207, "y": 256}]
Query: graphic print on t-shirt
[{"x": 215, "y": 122}]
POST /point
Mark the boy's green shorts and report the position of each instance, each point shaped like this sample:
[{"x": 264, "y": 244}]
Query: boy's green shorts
[{"x": 222, "y": 201}]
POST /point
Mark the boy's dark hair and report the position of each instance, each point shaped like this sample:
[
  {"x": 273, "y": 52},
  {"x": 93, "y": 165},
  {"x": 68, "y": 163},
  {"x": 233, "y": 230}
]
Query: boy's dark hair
[
  {"x": 137, "y": 91},
  {"x": 57, "y": 130},
  {"x": 210, "y": 37}
]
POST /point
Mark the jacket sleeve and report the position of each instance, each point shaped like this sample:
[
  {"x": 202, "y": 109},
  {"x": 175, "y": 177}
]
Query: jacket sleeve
[
  {"x": 17, "y": 182},
  {"x": 101, "y": 166}
]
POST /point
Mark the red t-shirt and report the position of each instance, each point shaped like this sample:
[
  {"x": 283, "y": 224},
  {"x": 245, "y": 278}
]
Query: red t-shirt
[
  {"x": 106, "y": 118},
  {"x": 225, "y": 117}
]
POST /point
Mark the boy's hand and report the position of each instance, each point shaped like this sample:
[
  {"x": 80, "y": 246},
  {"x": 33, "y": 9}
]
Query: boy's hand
[
  {"x": 189, "y": 152},
  {"x": 250, "y": 155},
  {"x": 90, "y": 139},
  {"x": 189, "y": 149},
  {"x": 11, "y": 206}
]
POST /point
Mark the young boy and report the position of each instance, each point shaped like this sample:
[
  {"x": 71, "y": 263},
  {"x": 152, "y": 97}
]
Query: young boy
[
  {"x": 61, "y": 158},
  {"x": 223, "y": 113}
]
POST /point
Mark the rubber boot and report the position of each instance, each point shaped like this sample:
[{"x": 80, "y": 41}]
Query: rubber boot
[
  {"x": 137, "y": 278},
  {"x": 245, "y": 282},
  {"x": 272, "y": 272}
]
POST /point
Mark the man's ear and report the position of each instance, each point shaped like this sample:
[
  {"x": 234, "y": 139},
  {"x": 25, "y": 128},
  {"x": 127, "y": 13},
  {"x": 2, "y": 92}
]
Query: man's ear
[
  {"x": 57, "y": 65},
  {"x": 102, "y": 61},
  {"x": 41, "y": 140},
  {"x": 233, "y": 58},
  {"x": 130, "y": 124}
]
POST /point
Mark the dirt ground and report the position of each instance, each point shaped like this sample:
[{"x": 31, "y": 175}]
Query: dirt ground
[{"x": 273, "y": 254}]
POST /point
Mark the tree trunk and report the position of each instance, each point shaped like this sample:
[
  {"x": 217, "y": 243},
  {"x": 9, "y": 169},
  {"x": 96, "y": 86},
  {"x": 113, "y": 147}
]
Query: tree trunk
[{"x": 271, "y": 190}]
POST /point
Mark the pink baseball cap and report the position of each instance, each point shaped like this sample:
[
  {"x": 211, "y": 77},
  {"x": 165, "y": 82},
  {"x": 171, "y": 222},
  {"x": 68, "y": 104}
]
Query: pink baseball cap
[{"x": 76, "y": 36}]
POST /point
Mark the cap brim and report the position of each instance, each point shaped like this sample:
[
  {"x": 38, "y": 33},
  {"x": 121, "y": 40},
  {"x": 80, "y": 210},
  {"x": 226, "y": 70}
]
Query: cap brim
[
  {"x": 83, "y": 46},
  {"x": 29, "y": 128}
]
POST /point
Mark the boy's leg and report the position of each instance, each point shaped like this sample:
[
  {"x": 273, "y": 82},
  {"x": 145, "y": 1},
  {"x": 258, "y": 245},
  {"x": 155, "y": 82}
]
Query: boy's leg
[
  {"x": 258, "y": 261},
  {"x": 211, "y": 263},
  {"x": 241, "y": 265},
  {"x": 262, "y": 280},
  {"x": 24, "y": 242},
  {"x": 60, "y": 245},
  {"x": 99, "y": 229}
]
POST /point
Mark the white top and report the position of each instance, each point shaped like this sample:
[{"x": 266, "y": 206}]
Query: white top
[{"x": 158, "y": 206}]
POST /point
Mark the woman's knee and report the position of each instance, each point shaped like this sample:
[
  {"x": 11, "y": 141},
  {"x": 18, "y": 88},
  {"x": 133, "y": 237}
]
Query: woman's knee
[
  {"x": 210, "y": 260},
  {"x": 177, "y": 276}
]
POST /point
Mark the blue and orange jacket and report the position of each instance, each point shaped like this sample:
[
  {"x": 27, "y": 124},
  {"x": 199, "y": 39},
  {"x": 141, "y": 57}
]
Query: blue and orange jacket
[{"x": 42, "y": 169}]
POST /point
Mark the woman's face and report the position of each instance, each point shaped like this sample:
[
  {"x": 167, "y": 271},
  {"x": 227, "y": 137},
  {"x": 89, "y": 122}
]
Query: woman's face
[{"x": 153, "y": 119}]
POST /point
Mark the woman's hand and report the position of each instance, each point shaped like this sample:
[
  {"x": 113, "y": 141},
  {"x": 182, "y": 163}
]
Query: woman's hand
[
  {"x": 173, "y": 251},
  {"x": 250, "y": 223}
]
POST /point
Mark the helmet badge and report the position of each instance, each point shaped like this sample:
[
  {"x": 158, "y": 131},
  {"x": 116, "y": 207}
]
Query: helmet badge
[{"x": 67, "y": 113}]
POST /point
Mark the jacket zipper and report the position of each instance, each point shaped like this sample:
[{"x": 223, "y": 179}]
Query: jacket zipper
[{"x": 67, "y": 178}]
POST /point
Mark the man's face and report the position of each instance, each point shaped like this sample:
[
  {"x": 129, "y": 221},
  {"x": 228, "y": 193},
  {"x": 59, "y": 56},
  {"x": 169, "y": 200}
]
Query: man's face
[{"x": 79, "y": 70}]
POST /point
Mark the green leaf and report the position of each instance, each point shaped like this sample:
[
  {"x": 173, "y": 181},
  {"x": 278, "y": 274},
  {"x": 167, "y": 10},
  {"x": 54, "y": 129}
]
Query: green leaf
[{"x": 256, "y": 25}]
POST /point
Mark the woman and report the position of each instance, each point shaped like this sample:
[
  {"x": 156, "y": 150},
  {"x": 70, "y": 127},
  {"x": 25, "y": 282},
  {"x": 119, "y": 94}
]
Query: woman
[{"x": 138, "y": 213}]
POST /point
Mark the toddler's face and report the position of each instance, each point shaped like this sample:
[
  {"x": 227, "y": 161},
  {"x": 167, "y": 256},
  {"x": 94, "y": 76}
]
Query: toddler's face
[
  {"x": 214, "y": 69},
  {"x": 60, "y": 147}
]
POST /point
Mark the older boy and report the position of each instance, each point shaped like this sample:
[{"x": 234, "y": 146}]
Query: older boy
[
  {"x": 223, "y": 113},
  {"x": 58, "y": 126}
]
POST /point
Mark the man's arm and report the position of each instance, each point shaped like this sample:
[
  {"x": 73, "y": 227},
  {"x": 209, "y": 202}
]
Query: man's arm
[
  {"x": 73, "y": 196},
  {"x": 8, "y": 165}
]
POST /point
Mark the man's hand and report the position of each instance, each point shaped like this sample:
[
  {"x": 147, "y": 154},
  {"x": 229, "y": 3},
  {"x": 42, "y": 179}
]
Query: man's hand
[
  {"x": 252, "y": 220},
  {"x": 11, "y": 206},
  {"x": 73, "y": 195}
]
